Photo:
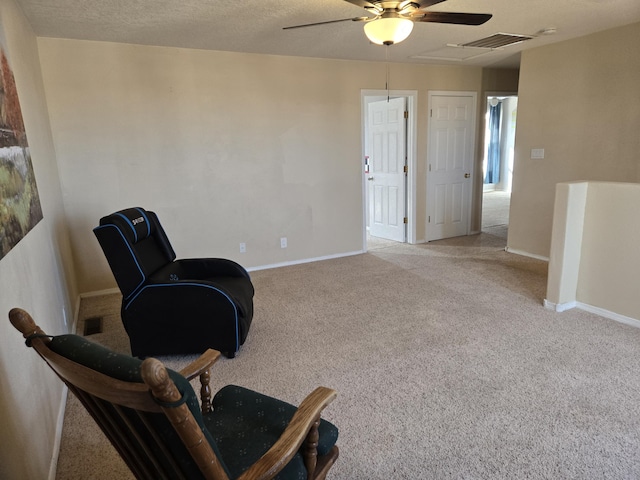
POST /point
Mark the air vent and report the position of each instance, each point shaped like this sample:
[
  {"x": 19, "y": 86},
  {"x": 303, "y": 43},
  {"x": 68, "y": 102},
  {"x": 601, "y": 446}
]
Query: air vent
[
  {"x": 92, "y": 326},
  {"x": 497, "y": 40},
  {"x": 453, "y": 53}
]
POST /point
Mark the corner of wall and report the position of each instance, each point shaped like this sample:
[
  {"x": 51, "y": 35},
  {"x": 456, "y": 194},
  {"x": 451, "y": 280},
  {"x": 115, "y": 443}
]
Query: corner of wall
[{"x": 566, "y": 242}]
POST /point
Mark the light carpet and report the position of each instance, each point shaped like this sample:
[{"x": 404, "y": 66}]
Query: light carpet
[{"x": 445, "y": 362}]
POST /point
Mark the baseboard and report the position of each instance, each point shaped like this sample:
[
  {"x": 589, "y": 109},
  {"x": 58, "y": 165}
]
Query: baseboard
[
  {"x": 99, "y": 293},
  {"x": 76, "y": 314},
  {"x": 526, "y": 254},
  {"x": 562, "y": 307},
  {"x": 306, "y": 260},
  {"x": 634, "y": 322},
  {"x": 53, "y": 468},
  {"x": 559, "y": 307}
]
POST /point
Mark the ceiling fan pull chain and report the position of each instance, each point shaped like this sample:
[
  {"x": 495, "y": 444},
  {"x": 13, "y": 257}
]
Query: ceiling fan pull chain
[{"x": 386, "y": 55}]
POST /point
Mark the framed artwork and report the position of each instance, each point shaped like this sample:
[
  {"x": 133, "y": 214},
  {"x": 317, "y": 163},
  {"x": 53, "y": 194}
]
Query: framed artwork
[{"x": 20, "y": 208}]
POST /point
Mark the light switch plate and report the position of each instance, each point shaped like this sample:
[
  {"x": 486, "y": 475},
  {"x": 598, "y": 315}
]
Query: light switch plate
[{"x": 537, "y": 153}]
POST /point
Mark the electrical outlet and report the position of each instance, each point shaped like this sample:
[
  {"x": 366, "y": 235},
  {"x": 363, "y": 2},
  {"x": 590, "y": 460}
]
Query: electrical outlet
[
  {"x": 283, "y": 242},
  {"x": 243, "y": 247}
]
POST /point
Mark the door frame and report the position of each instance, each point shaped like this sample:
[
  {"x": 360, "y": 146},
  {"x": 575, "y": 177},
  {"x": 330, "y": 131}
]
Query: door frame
[
  {"x": 485, "y": 106},
  {"x": 472, "y": 167},
  {"x": 411, "y": 96}
]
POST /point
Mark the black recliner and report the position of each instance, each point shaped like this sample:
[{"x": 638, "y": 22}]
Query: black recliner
[{"x": 173, "y": 306}]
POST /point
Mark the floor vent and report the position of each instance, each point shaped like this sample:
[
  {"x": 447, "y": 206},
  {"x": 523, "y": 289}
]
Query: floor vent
[
  {"x": 92, "y": 326},
  {"x": 498, "y": 40}
]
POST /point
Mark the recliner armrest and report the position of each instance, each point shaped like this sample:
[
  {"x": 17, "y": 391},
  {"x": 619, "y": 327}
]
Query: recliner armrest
[{"x": 210, "y": 267}]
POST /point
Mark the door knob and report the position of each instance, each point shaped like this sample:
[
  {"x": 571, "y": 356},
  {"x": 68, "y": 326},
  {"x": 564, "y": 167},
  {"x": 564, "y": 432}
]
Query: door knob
[
  {"x": 370, "y": 178},
  {"x": 467, "y": 175}
]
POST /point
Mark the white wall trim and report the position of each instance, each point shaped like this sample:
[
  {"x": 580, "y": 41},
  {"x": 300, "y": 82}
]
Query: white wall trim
[
  {"x": 559, "y": 307},
  {"x": 526, "y": 254},
  {"x": 562, "y": 307},
  {"x": 76, "y": 314},
  {"x": 53, "y": 467},
  {"x": 305, "y": 260},
  {"x": 609, "y": 314},
  {"x": 99, "y": 293}
]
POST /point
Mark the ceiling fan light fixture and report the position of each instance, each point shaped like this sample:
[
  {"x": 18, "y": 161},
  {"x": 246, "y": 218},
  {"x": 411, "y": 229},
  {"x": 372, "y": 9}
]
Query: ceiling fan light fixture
[{"x": 388, "y": 30}]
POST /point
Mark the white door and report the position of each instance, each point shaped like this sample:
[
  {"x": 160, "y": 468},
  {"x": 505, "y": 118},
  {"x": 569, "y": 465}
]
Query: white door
[
  {"x": 450, "y": 162},
  {"x": 386, "y": 142}
]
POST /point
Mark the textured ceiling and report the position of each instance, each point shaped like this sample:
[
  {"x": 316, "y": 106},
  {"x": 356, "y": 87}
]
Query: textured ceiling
[{"x": 256, "y": 26}]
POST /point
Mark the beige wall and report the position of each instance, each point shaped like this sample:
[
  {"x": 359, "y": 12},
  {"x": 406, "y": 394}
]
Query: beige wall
[
  {"x": 579, "y": 101},
  {"x": 225, "y": 147},
  {"x": 610, "y": 263},
  {"x": 35, "y": 275},
  {"x": 594, "y": 259}
]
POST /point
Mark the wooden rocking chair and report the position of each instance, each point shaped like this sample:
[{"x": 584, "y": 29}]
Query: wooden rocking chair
[{"x": 152, "y": 417}]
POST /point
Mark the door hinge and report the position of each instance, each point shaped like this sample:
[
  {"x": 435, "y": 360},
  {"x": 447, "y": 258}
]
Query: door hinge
[
  {"x": 406, "y": 114},
  {"x": 406, "y": 220},
  {"x": 406, "y": 169},
  {"x": 429, "y": 220}
]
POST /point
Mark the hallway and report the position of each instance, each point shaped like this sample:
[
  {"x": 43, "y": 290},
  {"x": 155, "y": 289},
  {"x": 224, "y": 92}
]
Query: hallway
[{"x": 495, "y": 213}]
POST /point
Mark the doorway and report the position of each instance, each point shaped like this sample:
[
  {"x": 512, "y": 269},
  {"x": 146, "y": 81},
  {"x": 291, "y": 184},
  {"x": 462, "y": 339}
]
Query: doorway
[
  {"x": 499, "y": 140},
  {"x": 389, "y": 130}
]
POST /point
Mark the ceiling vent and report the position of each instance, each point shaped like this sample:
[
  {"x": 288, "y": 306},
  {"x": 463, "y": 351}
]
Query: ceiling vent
[
  {"x": 498, "y": 40},
  {"x": 461, "y": 52}
]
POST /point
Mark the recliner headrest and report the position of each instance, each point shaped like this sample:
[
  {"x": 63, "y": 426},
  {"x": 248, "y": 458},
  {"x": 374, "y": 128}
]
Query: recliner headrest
[{"x": 134, "y": 223}]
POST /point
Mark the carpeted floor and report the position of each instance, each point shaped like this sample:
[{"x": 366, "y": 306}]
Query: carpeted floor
[
  {"x": 445, "y": 362},
  {"x": 495, "y": 213}
]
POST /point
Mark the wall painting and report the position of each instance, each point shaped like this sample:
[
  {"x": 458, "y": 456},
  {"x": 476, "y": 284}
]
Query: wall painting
[{"x": 20, "y": 208}]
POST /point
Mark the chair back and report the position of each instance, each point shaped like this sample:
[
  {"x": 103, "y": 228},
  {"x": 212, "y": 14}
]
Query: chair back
[
  {"x": 150, "y": 414},
  {"x": 135, "y": 246}
]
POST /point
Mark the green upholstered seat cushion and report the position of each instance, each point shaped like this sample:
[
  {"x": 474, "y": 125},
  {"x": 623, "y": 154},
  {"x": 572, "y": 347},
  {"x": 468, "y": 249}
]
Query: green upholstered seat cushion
[
  {"x": 245, "y": 424},
  {"x": 127, "y": 368}
]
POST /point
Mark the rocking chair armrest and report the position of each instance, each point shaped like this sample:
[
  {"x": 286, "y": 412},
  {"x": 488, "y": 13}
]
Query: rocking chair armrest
[
  {"x": 201, "y": 364},
  {"x": 292, "y": 438},
  {"x": 202, "y": 367}
]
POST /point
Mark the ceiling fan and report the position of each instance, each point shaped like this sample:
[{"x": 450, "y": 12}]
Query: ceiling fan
[{"x": 392, "y": 21}]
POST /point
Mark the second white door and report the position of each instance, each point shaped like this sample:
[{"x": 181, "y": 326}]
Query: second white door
[{"x": 450, "y": 160}]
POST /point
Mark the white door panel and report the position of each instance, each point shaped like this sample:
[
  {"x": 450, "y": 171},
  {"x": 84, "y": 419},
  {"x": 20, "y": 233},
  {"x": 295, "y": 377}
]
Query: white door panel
[
  {"x": 450, "y": 160},
  {"x": 386, "y": 178}
]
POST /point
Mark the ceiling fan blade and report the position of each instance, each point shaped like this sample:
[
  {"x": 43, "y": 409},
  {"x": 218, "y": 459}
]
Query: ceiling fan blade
[
  {"x": 452, "y": 17},
  {"x": 356, "y": 19}
]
